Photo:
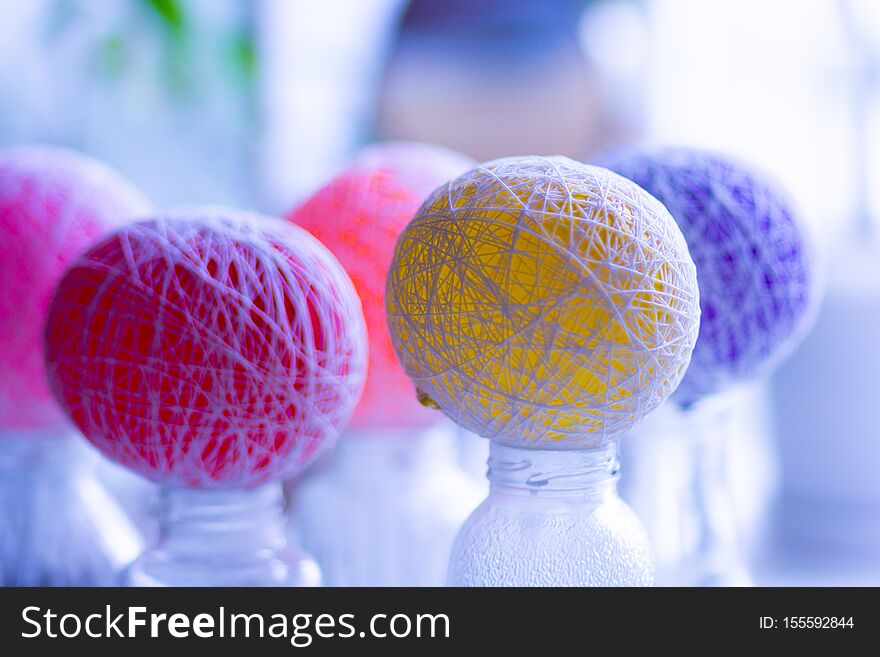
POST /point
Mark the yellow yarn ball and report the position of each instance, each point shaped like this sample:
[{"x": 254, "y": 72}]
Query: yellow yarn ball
[{"x": 543, "y": 302}]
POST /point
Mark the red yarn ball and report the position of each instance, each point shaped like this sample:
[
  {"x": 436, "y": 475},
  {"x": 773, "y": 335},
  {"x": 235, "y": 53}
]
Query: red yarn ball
[
  {"x": 358, "y": 215},
  {"x": 211, "y": 349},
  {"x": 54, "y": 203}
]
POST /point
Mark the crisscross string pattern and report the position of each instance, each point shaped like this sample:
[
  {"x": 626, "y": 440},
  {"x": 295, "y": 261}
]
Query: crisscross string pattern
[
  {"x": 754, "y": 266},
  {"x": 208, "y": 348},
  {"x": 54, "y": 203},
  {"x": 542, "y": 302},
  {"x": 359, "y": 215}
]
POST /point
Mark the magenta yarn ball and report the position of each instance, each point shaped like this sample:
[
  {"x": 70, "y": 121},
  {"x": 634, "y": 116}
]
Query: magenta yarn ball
[{"x": 54, "y": 203}]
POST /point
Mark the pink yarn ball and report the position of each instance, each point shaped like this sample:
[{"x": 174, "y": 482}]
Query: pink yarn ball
[
  {"x": 210, "y": 349},
  {"x": 359, "y": 215},
  {"x": 54, "y": 203}
]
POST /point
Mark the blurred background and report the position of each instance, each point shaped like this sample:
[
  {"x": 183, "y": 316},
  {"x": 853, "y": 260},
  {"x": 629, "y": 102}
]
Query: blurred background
[{"x": 256, "y": 103}]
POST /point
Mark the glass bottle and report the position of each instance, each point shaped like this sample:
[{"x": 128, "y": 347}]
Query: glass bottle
[
  {"x": 58, "y": 524},
  {"x": 222, "y": 537},
  {"x": 552, "y": 518},
  {"x": 678, "y": 482},
  {"x": 385, "y": 510}
]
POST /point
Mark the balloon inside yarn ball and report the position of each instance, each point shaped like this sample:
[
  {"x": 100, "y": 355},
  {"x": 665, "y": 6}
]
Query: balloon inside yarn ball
[
  {"x": 54, "y": 203},
  {"x": 358, "y": 215},
  {"x": 754, "y": 267},
  {"x": 207, "y": 349},
  {"x": 543, "y": 303}
]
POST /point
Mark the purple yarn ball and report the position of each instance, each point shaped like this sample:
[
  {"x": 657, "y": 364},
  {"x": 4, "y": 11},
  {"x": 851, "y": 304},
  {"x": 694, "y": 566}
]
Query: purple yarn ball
[{"x": 754, "y": 263}]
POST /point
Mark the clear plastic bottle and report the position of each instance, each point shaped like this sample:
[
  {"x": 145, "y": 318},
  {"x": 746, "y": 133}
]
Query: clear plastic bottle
[
  {"x": 552, "y": 518},
  {"x": 387, "y": 508},
  {"x": 219, "y": 537},
  {"x": 58, "y": 525},
  {"x": 677, "y": 480}
]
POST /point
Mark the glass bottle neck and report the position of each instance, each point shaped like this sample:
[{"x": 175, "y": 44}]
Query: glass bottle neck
[
  {"x": 558, "y": 473},
  {"x": 218, "y": 521}
]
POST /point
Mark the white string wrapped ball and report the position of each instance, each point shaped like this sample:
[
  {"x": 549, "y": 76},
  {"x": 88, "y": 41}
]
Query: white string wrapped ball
[
  {"x": 54, "y": 203},
  {"x": 209, "y": 348},
  {"x": 754, "y": 266},
  {"x": 544, "y": 303}
]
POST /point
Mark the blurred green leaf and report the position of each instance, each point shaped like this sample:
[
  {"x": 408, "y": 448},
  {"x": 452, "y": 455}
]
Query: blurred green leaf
[
  {"x": 177, "y": 73},
  {"x": 171, "y": 13},
  {"x": 243, "y": 56}
]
